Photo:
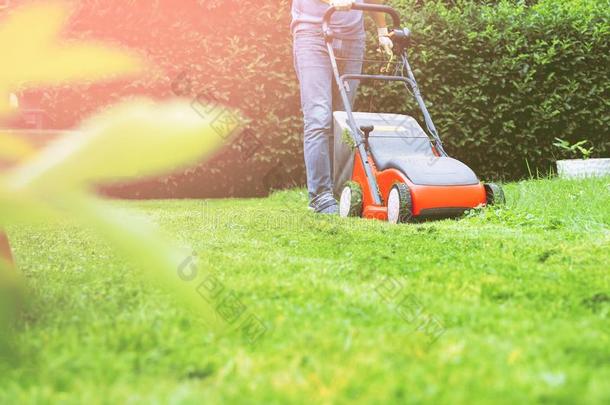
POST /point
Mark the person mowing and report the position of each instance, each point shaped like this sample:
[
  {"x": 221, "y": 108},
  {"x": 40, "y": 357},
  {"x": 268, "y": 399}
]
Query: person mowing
[{"x": 318, "y": 92}]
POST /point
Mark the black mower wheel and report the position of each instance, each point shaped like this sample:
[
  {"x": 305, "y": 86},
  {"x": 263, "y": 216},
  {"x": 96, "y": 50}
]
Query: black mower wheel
[
  {"x": 494, "y": 194},
  {"x": 400, "y": 205},
  {"x": 350, "y": 203}
]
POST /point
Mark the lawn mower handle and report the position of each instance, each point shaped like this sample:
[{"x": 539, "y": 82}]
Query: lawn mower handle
[{"x": 380, "y": 8}]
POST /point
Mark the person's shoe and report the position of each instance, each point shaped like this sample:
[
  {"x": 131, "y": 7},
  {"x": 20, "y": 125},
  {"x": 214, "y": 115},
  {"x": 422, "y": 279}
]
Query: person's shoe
[
  {"x": 324, "y": 203},
  {"x": 332, "y": 210}
]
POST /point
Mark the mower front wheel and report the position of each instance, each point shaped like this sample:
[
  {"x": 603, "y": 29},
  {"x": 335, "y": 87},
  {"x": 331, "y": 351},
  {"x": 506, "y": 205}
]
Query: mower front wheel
[
  {"x": 350, "y": 204},
  {"x": 400, "y": 205},
  {"x": 494, "y": 194}
]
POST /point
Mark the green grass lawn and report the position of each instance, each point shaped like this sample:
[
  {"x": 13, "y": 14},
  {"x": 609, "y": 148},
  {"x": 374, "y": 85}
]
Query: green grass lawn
[{"x": 506, "y": 305}]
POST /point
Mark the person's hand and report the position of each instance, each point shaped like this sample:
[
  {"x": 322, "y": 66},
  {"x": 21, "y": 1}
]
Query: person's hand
[
  {"x": 342, "y": 5},
  {"x": 385, "y": 43}
]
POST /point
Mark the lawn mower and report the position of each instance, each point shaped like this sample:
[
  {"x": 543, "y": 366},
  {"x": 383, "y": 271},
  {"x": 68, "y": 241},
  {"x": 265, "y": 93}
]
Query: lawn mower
[{"x": 385, "y": 166}]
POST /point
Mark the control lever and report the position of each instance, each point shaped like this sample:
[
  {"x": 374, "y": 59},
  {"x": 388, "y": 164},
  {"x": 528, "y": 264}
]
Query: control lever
[{"x": 367, "y": 129}]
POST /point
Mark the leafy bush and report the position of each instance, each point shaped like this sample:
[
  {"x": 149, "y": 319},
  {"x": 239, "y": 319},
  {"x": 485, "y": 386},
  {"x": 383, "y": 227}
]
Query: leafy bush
[{"x": 502, "y": 79}]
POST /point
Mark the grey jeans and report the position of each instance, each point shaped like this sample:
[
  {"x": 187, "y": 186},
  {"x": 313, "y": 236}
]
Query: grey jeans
[{"x": 319, "y": 98}]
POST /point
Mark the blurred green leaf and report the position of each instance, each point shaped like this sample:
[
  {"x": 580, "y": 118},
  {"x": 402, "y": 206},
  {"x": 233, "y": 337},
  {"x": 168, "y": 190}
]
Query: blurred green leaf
[
  {"x": 29, "y": 41},
  {"x": 130, "y": 141},
  {"x": 11, "y": 297}
]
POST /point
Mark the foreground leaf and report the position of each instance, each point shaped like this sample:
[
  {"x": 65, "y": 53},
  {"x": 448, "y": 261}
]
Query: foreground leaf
[
  {"x": 33, "y": 55},
  {"x": 130, "y": 141},
  {"x": 13, "y": 149},
  {"x": 11, "y": 297}
]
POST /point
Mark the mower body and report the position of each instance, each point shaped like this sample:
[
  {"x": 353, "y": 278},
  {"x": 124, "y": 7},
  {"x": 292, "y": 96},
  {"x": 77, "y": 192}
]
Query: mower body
[{"x": 400, "y": 152}]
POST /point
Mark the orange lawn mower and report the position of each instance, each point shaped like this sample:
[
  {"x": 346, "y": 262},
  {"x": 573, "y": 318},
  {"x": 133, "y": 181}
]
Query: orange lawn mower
[{"x": 393, "y": 170}]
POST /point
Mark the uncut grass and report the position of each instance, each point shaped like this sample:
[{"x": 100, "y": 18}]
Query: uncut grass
[{"x": 522, "y": 292}]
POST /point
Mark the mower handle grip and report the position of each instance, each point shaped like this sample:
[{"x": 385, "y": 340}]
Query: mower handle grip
[{"x": 379, "y": 8}]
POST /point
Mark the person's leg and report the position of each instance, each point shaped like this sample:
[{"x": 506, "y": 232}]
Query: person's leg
[{"x": 315, "y": 77}]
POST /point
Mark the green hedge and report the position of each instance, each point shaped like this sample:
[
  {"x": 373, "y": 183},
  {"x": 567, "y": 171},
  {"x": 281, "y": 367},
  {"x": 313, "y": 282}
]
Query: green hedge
[{"x": 502, "y": 79}]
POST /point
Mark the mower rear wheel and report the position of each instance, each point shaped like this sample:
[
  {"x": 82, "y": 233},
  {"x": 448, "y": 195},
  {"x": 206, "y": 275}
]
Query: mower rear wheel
[
  {"x": 494, "y": 194},
  {"x": 350, "y": 204},
  {"x": 400, "y": 206}
]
